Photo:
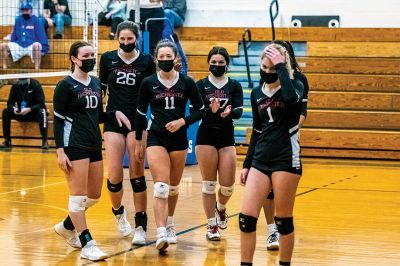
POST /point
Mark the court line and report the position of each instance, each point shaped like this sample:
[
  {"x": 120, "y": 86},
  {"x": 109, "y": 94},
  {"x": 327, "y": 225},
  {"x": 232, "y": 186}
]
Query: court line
[
  {"x": 31, "y": 188},
  {"x": 180, "y": 233}
]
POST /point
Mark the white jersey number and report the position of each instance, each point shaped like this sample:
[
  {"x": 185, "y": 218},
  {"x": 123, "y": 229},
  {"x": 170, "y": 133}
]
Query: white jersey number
[
  {"x": 271, "y": 119},
  {"x": 169, "y": 103},
  {"x": 91, "y": 101},
  {"x": 126, "y": 78}
]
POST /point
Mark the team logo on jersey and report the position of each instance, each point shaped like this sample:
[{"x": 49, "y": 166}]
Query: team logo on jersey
[
  {"x": 216, "y": 94},
  {"x": 169, "y": 93},
  {"x": 88, "y": 92},
  {"x": 271, "y": 102}
]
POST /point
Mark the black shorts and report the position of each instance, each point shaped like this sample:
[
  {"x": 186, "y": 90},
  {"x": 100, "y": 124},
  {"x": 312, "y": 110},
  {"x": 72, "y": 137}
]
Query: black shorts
[
  {"x": 170, "y": 141},
  {"x": 218, "y": 138},
  {"x": 112, "y": 126},
  {"x": 75, "y": 154},
  {"x": 269, "y": 169}
]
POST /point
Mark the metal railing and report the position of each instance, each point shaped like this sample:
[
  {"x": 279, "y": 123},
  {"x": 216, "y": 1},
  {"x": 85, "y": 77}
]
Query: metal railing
[
  {"x": 273, "y": 16},
  {"x": 246, "y": 45}
]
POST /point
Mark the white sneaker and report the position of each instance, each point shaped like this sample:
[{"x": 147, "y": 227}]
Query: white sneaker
[
  {"x": 273, "y": 241},
  {"x": 139, "y": 238},
  {"x": 92, "y": 252},
  {"x": 124, "y": 226},
  {"x": 162, "y": 240},
  {"x": 171, "y": 234},
  {"x": 222, "y": 218},
  {"x": 213, "y": 233},
  {"x": 70, "y": 236}
]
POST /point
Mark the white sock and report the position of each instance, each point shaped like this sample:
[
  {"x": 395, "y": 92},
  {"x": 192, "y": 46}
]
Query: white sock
[
  {"x": 170, "y": 220},
  {"x": 212, "y": 221},
  {"x": 220, "y": 206},
  {"x": 272, "y": 228}
]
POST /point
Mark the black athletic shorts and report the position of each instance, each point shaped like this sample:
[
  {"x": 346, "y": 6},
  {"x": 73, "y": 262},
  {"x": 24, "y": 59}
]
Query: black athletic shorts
[
  {"x": 75, "y": 154},
  {"x": 269, "y": 169},
  {"x": 112, "y": 126},
  {"x": 176, "y": 141},
  {"x": 218, "y": 138}
]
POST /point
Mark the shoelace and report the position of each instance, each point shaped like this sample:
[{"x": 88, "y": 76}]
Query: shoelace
[
  {"x": 214, "y": 229},
  {"x": 171, "y": 232},
  {"x": 273, "y": 238}
]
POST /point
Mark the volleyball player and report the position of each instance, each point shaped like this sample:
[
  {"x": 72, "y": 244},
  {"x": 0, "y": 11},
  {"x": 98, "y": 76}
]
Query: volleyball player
[
  {"x": 269, "y": 205},
  {"x": 167, "y": 93},
  {"x": 273, "y": 158},
  {"x": 121, "y": 72},
  {"x": 215, "y": 144},
  {"x": 78, "y": 110}
]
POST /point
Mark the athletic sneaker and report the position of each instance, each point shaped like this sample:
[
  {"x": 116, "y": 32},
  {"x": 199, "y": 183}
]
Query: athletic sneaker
[
  {"x": 171, "y": 234},
  {"x": 139, "y": 238},
  {"x": 222, "y": 218},
  {"x": 124, "y": 226},
  {"x": 273, "y": 241},
  {"x": 70, "y": 236},
  {"x": 92, "y": 252},
  {"x": 162, "y": 239},
  {"x": 213, "y": 233}
]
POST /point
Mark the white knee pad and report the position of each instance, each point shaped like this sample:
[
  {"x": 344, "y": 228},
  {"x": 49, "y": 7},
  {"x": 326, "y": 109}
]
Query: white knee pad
[
  {"x": 209, "y": 187},
  {"x": 227, "y": 191},
  {"x": 77, "y": 203},
  {"x": 173, "y": 190},
  {"x": 161, "y": 190},
  {"x": 90, "y": 202}
]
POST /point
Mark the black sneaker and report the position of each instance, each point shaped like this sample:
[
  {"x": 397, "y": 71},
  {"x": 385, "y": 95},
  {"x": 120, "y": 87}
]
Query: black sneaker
[
  {"x": 57, "y": 36},
  {"x": 45, "y": 145},
  {"x": 6, "y": 145}
]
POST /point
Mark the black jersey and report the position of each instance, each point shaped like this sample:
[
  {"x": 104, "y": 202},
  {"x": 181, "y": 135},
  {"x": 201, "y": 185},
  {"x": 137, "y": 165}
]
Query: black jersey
[
  {"x": 78, "y": 110},
  {"x": 230, "y": 93},
  {"x": 123, "y": 80},
  {"x": 167, "y": 104},
  {"x": 304, "y": 101},
  {"x": 275, "y": 123}
]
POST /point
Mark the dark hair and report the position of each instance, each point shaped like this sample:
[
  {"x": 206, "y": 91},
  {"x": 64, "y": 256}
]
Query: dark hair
[
  {"x": 218, "y": 50},
  {"x": 166, "y": 43},
  {"x": 74, "y": 50},
  {"x": 290, "y": 50},
  {"x": 128, "y": 25}
]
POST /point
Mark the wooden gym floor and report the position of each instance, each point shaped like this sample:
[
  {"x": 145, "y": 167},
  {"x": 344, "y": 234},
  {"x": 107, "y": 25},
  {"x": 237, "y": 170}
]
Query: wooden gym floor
[{"x": 346, "y": 213}]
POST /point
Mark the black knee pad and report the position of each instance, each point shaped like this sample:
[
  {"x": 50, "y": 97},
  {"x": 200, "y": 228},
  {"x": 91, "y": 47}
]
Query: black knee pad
[
  {"x": 138, "y": 184},
  {"x": 271, "y": 195},
  {"x": 247, "y": 224},
  {"x": 114, "y": 187},
  {"x": 284, "y": 225}
]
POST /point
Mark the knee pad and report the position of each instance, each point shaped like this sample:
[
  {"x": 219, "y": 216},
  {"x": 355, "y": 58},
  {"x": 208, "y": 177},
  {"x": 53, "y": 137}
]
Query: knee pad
[
  {"x": 247, "y": 224},
  {"x": 77, "y": 203},
  {"x": 284, "y": 225},
  {"x": 227, "y": 191},
  {"x": 173, "y": 190},
  {"x": 114, "y": 187},
  {"x": 138, "y": 184},
  {"x": 271, "y": 195},
  {"x": 161, "y": 190},
  {"x": 209, "y": 187},
  {"x": 90, "y": 202}
]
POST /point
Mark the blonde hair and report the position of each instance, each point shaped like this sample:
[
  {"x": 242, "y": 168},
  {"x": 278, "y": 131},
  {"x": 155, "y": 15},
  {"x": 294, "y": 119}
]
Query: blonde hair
[{"x": 283, "y": 52}]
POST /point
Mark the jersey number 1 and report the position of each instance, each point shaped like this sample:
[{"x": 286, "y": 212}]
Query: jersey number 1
[
  {"x": 271, "y": 119},
  {"x": 169, "y": 103}
]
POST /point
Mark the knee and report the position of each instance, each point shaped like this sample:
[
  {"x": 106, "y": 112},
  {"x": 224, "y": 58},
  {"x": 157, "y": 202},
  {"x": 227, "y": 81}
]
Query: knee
[
  {"x": 161, "y": 190},
  {"x": 209, "y": 187},
  {"x": 91, "y": 201},
  {"x": 247, "y": 224},
  {"x": 36, "y": 46},
  {"x": 173, "y": 190},
  {"x": 4, "y": 46},
  {"x": 227, "y": 191},
  {"x": 138, "y": 184},
  {"x": 271, "y": 195},
  {"x": 77, "y": 203},
  {"x": 284, "y": 225},
  {"x": 114, "y": 187}
]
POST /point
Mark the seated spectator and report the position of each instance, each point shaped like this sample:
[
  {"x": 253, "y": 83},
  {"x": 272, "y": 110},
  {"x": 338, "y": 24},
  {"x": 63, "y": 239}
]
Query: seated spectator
[
  {"x": 25, "y": 103},
  {"x": 114, "y": 13},
  {"x": 27, "y": 39},
  {"x": 56, "y": 13},
  {"x": 174, "y": 11},
  {"x": 150, "y": 9}
]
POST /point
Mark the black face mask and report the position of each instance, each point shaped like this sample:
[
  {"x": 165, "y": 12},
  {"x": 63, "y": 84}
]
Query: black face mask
[
  {"x": 217, "y": 71},
  {"x": 23, "y": 83},
  {"x": 88, "y": 65},
  {"x": 166, "y": 65},
  {"x": 127, "y": 48},
  {"x": 26, "y": 16},
  {"x": 268, "y": 77}
]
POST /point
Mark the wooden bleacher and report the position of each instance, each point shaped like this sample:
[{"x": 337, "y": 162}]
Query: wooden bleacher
[{"x": 354, "y": 77}]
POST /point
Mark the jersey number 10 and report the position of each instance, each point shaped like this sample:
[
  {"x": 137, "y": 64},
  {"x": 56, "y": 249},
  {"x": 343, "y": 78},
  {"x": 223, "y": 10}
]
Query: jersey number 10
[{"x": 91, "y": 101}]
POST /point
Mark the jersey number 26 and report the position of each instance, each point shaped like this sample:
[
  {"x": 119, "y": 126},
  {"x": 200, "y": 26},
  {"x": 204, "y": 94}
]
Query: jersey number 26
[{"x": 126, "y": 78}]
